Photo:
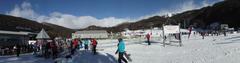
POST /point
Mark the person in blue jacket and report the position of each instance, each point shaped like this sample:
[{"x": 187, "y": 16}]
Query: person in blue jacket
[
  {"x": 121, "y": 51},
  {"x": 86, "y": 42}
]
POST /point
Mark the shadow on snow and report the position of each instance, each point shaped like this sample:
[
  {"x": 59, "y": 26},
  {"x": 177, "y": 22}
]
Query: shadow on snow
[
  {"x": 24, "y": 59},
  {"x": 88, "y": 57}
]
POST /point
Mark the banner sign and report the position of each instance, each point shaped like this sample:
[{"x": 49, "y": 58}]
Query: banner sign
[{"x": 168, "y": 29}]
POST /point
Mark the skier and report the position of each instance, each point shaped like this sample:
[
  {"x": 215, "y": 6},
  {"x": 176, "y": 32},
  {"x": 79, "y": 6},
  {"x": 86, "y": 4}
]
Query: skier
[
  {"x": 121, "y": 51},
  {"x": 94, "y": 45},
  {"x": 148, "y": 39}
]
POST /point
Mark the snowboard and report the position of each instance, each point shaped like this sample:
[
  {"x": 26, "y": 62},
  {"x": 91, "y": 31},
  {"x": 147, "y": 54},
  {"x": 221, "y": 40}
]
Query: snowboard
[{"x": 128, "y": 56}]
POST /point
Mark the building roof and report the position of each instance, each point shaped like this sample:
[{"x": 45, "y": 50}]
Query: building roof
[
  {"x": 42, "y": 35},
  {"x": 91, "y": 31},
  {"x": 13, "y": 32}
]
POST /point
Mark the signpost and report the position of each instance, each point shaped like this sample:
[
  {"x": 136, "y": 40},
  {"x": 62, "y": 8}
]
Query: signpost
[{"x": 171, "y": 29}]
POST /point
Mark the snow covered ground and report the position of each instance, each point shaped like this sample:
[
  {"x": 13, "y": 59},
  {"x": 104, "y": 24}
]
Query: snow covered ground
[{"x": 194, "y": 50}]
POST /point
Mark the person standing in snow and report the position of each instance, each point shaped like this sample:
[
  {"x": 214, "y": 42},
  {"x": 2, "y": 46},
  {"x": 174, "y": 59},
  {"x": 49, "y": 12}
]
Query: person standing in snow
[
  {"x": 94, "y": 45},
  {"x": 121, "y": 51},
  {"x": 35, "y": 48},
  {"x": 18, "y": 50},
  {"x": 72, "y": 47},
  {"x": 224, "y": 31},
  {"x": 47, "y": 50},
  {"x": 75, "y": 44},
  {"x": 190, "y": 31},
  {"x": 148, "y": 39},
  {"x": 54, "y": 50},
  {"x": 80, "y": 44},
  {"x": 86, "y": 42},
  {"x": 202, "y": 34}
]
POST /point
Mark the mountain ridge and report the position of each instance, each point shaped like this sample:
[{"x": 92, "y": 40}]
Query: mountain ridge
[
  {"x": 11, "y": 23},
  {"x": 224, "y": 12}
]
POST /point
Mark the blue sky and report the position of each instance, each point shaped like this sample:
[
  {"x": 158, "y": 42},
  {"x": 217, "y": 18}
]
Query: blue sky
[{"x": 98, "y": 10}]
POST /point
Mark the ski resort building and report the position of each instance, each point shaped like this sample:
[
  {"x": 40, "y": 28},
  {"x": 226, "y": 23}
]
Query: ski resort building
[
  {"x": 99, "y": 34},
  {"x": 11, "y": 38},
  {"x": 155, "y": 32},
  {"x": 141, "y": 33}
]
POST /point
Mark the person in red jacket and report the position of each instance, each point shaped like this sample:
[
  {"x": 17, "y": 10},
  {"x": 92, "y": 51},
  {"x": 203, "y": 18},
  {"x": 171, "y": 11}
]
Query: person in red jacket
[
  {"x": 190, "y": 31},
  {"x": 94, "y": 45},
  {"x": 74, "y": 46},
  {"x": 148, "y": 39},
  {"x": 54, "y": 50},
  {"x": 75, "y": 43}
]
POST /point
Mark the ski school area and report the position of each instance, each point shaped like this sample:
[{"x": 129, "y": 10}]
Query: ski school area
[{"x": 173, "y": 48}]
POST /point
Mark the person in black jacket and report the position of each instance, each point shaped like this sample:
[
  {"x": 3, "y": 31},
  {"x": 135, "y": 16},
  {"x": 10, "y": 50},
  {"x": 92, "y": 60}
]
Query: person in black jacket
[{"x": 18, "y": 50}]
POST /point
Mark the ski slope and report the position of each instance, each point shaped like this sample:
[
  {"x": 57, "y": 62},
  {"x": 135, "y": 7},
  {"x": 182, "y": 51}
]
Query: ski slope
[{"x": 212, "y": 49}]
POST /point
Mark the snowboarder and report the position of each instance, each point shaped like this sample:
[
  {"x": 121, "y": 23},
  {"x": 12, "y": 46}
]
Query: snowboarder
[
  {"x": 148, "y": 39},
  {"x": 94, "y": 45},
  {"x": 121, "y": 51}
]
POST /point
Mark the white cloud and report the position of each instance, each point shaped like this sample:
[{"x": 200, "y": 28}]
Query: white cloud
[
  {"x": 188, "y": 5},
  {"x": 71, "y": 21},
  {"x": 25, "y": 10}
]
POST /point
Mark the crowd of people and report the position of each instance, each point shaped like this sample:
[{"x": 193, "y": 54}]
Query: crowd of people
[
  {"x": 66, "y": 48},
  {"x": 62, "y": 48},
  {"x": 71, "y": 46},
  {"x": 52, "y": 48},
  {"x": 15, "y": 49}
]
